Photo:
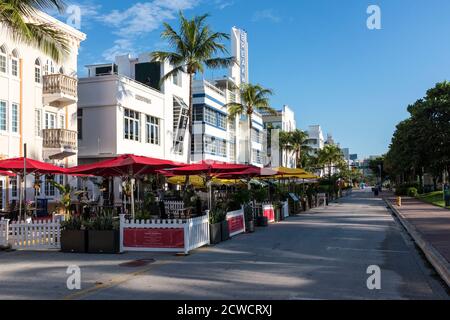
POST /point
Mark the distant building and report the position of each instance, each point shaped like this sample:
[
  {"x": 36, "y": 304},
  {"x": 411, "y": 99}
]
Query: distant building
[
  {"x": 346, "y": 152},
  {"x": 283, "y": 121},
  {"x": 316, "y": 139},
  {"x": 354, "y": 157}
]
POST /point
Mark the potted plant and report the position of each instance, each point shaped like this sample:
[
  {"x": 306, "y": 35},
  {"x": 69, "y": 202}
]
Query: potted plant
[
  {"x": 249, "y": 219},
  {"x": 103, "y": 234},
  {"x": 259, "y": 196},
  {"x": 277, "y": 205},
  {"x": 73, "y": 235},
  {"x": 215, "y": 226}
]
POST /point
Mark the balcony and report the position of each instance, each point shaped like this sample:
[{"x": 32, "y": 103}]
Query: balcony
[
  {"x": 59, "y": 143},
  {"x": 59, "y": 90}
]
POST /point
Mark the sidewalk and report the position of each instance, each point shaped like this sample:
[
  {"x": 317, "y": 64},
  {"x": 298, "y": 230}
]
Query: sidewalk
[{"x": 430, "y": 228}]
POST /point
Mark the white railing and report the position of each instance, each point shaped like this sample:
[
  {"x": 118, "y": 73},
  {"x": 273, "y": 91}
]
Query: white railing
[
  {"x": 168, "y": 235},
  {"x": 35, "y": 235},
  {"x": 4, "y": 232},
  {"x": 236, "y": 222},
  {"x": 197, "y": 233},
  {"x": 176, "y": 209}
]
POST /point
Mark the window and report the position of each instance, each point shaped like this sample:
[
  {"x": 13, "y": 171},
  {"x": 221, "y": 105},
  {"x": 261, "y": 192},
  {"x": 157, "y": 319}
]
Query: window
[
  {"x": 15, "y": 117},
  {"x": 3, "y": 123},
  {"x": 131, "y": 125},
  {"x": 210, "y": 116},
  {"x": 37, "y": 71},
  {"x": 221, "y": 120},
  {"x": 3, "y": 60},
  {"x": 14, "y": 193},
  {"x": 62, "y": 121},
  {"x": 177, "y": 79},
  {"x": 256, "y": 137},
  {"x": 80, "y": 123},
  {"x": 49, "y": 187},
  {"x": 50, "y": 120},
  {"x": 152, "y": 128},
  {"x": 215, "y": 146},
  {"x": 15, "y": 64},
  {"x": 37, "y": 123},
  {"x": 198, "y": 113}
]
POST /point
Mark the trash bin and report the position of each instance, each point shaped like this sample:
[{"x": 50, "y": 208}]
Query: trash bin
[{"x": 376, "y": 192}]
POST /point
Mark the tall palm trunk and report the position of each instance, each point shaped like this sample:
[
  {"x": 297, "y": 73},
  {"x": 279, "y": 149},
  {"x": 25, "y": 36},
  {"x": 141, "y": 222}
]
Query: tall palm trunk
[
  {"x": 191, "y": 85},
  {"x": 250, "y": 128}
]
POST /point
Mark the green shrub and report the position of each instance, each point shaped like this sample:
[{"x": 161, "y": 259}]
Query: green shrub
[
  {"x": 103, "y": 222},
  {"x": 72, "y": 224},
  {"x": 412, "y": 192}
]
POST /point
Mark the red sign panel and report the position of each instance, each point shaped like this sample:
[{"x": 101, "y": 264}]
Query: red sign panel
[
  {"x": 270, "y": 214},
  {"x": 153, "y": 238},
  {"x": 236, "y": 224}
]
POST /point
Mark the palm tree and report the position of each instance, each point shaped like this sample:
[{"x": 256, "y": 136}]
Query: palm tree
[
  {"x": 330, "y": 156},
  {"x": 295, "y": 141},
  {"x": 194, "y": 46},
  {"x": 253, "y": 98},
  {"x": 18, "y": 19}
]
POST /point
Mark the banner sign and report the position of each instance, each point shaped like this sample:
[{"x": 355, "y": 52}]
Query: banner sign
[
  {"x": 269, "y": 212},
  {"x": 236, "y": 222},
  {"x": 153, "y": 238}
]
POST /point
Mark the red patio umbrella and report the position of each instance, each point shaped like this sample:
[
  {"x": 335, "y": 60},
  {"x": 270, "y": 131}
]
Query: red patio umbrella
[
  {"x": 209, "y": 169},
  {"x": 127, "y": 165},
  {"x": 7, "y": 174},
  {"x": 23, "y": 166}
]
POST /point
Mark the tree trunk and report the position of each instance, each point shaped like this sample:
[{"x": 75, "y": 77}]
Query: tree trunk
[
  {"x": 250, "y": 127},
  {"x": 191, "y": 80}
]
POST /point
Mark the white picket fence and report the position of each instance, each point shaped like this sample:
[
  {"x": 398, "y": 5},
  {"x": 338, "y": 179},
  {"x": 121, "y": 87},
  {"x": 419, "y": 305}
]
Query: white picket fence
[
  {"x": 34, "y": 235},
  {"x": 195, "y": 233},
  {"x": 4, "y": 232}
]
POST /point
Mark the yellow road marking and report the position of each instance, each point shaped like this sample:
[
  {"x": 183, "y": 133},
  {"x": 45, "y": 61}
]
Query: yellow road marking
[{"x": 113, "y": 282}]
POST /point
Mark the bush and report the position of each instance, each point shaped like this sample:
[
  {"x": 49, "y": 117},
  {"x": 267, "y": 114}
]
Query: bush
[
  {"x": 403, "y": 189},
  {"x": 72, "y": 224},
  {"x": 103, "y": 222},
  {"x": 412, "y": 192}
]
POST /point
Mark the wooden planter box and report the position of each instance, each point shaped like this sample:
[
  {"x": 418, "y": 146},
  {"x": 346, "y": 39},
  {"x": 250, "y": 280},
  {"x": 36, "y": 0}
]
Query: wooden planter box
[
  {"x": 74, "y": 241},
  {"x": 104, "y": 241},
  {"x": 225, "y": 231},
  {"x": 262, "y": 221},
  {"x": 215, "y": 233}
]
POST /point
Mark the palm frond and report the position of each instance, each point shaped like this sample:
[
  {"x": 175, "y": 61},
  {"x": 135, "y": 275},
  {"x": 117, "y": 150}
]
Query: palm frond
[
  {"x": 234, "y": 109},
  {"x": 220, "y": 62}
]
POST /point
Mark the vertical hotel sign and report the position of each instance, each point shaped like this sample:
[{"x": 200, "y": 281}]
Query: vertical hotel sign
[{"x": 244, "y": 56}]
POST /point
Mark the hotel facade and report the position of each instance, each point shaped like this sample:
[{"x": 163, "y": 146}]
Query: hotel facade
[{"x": 38, "y": 107}]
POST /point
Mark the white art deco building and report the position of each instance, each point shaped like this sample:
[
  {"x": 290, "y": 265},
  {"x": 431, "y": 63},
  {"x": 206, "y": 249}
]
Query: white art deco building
[{"x": 38, "y": 107}]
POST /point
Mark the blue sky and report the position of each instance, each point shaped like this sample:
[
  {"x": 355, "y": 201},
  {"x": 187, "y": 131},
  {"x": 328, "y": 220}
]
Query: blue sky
[{"x": 317, "y": 55}]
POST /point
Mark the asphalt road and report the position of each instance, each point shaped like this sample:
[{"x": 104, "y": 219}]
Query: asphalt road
[{"x": 321, "y": 255}]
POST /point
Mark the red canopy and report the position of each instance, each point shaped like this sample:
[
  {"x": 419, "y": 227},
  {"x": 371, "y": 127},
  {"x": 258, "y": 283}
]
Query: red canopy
[
  {"x": 125, "y": 165},
  {"x": 7, "y": 174},
  {"x": 16, "y": 165},
  {"x": 209, "y": 168},
  {"x": 249, "y": 172}
]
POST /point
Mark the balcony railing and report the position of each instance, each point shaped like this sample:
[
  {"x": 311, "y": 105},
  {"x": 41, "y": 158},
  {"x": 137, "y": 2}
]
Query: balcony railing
[
  {"x": 60, "y": 83},
  {"x": 60, "y": 139}
]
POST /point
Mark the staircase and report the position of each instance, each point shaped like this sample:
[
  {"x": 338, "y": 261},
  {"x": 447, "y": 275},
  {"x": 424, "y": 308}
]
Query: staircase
[{"x": 180, "y": 123}]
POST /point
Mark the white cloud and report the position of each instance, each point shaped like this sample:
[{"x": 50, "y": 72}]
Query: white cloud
[
  {"x": 139, "y": 20},
  {"x": 222, "y": 4},
  {"x": 266, "y": 14}
]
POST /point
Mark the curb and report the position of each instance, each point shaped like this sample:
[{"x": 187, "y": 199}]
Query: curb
[{"x": 433, "y": 256}]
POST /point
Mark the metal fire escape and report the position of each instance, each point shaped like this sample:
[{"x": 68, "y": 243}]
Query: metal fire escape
[{"x": 180, "y": 123}]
